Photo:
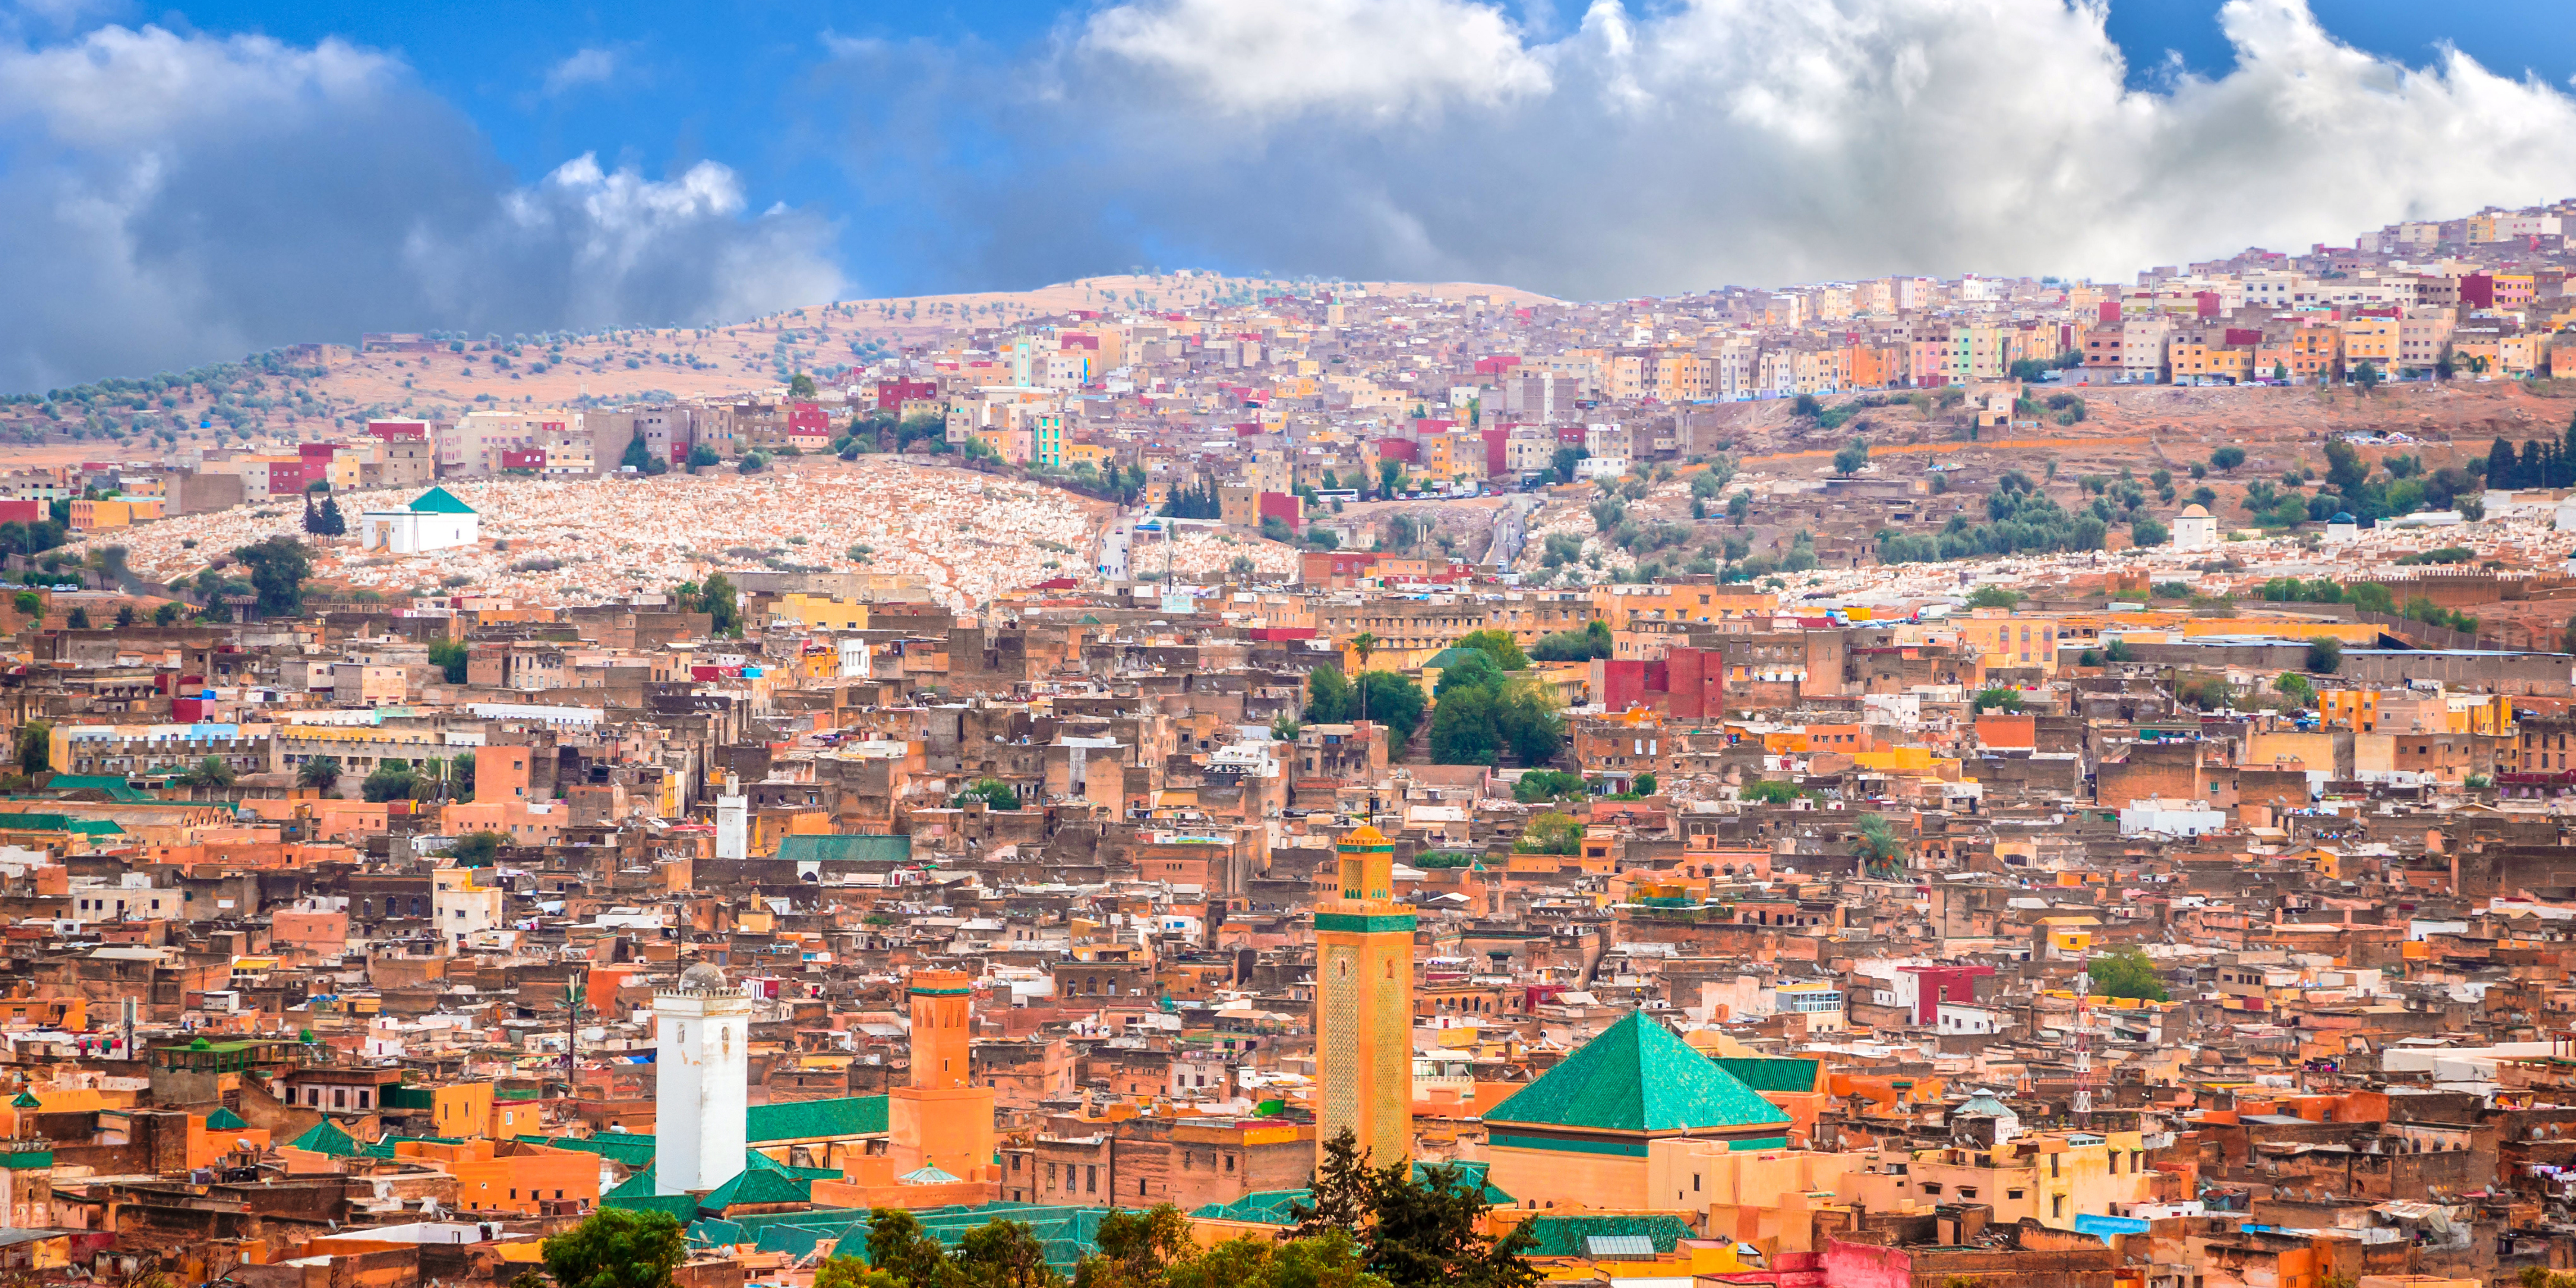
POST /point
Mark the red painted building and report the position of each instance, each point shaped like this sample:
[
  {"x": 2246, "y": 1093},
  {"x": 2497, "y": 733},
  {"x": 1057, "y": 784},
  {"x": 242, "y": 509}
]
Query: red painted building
[
  {"x": 1685, "y": 684},
  {"x": 893, "y": 394}
]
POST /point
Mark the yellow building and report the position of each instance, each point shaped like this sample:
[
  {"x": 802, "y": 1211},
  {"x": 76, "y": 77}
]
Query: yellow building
[
  {"x": 1679, "y": 602},
  {"x": 1364, "y": 1003},
  {"x": 2007, "y": 639},
  {"x": 822, "y": 612},
  {"x": 2051, "y": 1178}
]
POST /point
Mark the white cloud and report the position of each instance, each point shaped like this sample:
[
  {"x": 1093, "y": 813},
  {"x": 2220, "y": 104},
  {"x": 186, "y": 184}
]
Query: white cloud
[
  {"x": 1376, "y": 58},
  {"x": 175, "y": 199},
  {"x": 589, "y": 66},
  {"x": 1680, "y": 147}
]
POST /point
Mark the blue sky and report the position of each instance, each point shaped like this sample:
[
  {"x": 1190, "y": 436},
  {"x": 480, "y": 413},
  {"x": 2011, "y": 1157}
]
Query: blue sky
[{"x": 190, "y": 182}]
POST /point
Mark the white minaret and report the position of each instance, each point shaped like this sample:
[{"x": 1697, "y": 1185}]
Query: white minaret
[
  {"x": 733, "y": 821},
  {"x": 702, "y": 1081}
]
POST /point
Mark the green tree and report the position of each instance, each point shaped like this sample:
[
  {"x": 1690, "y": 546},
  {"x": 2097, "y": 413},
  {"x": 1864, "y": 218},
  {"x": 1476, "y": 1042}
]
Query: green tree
[
  {"x": 1993, "y": 597},
  {"x": 2325, "y": 655},
  {"x": 898, "y": 1246},
  {"x": 2296, "y": 688},
  {"x": 1329, "y": 697},
  {"x": 1506, "y": 651},
  {"x": 2227, "y": 458},
  {"x": 1390, "y": 477},
  {"x": 28, "y": 603},
  {"x": 449, "y": 656},
  {"x": 1739, "y": 507},
  {"x": 701, "y": 457},
  {"x": 79, "y": 620},
  {"x": 1854, "y": 455},
  {"x": 1881, "y": 850},
  {"x": 279, "y": 567},
  {"x": 1002, "y": 1254},
  {"x": 2146, "y": 532},
  {"x": 166, "y": 615},
  {"x": 321, "y": 773},
  {"x": 2008, "y": 700},
  {"x": 1343, "y": 1187},
  {"x": 477, "y": 849},
  {"x": 616, "y": 1248},
  {"x": 387, "y": 782},
  {"x": 641, "y": 458},
  {"x": 1472, "y": 669},
  {"x": 1274, "y": 528},
  {"x": 1527, "y": 715},
  {"x": 2367, "y": 376},
  {"x": 1331, "y": 1259},
  {"x": 1430, "y": 1233},
  {"x": 210, "y": 772},
  {"x": 1769, "y": 791},
  {"x": 717, "y": 599},
  {"x": 1463, "y": 731},
  {"x": 124, "y": 616},
  {"x": 1565, "y": 460},
  {"x": 1573, "y": 646},
  {"x": 995, "y": 794},
  {"x": 2126, "y": 971},
  {"x": 1547, "y": 785},
  {"x": 800, "y": 385},
  {"x": 1137, "y": 1249},
  {"x": 851, "y": 1272},
  {"x": 1394, "y": 701},
  {"x": 1551, "y": 833}
]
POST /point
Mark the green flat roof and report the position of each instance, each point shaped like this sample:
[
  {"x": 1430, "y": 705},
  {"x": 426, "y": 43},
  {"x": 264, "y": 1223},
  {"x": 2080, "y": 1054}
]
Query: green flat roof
[
  {"x": 811, "y": 1119},
  {"x": 844, "y": 847}
]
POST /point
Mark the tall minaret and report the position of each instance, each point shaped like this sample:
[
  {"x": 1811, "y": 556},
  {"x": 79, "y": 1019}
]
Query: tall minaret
[
  {"x": 733, "y": 821},
  {"x": 942, "y": 1119},
  {"x": 1364, "y": 1003},
  {"x": 702, "y": 1081}
]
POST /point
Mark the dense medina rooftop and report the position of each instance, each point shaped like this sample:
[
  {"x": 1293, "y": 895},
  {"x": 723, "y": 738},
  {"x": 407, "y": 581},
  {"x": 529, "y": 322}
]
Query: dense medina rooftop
[{"x": 1723, "y": 938}]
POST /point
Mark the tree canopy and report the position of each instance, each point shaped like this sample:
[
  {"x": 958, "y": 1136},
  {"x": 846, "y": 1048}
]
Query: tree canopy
[
  {"x": 2126, "y": 971},
  {"x": 616, "y": 1248}
]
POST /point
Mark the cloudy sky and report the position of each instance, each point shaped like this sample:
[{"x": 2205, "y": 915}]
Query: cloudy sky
[{"x": 181, "y": 185}]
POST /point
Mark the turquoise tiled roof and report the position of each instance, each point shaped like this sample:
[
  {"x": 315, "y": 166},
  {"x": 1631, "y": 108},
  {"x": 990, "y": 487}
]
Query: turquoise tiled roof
[
  {"x": 1637, "y": 1077},
  {"x": 1565, "y": 1236},
  {"x": 812, "y": 1119},
  {"x": 844, "y": 847},
  {"x": 1770, "y": 1073},
  {"x": 325, "y": 1137},
  {"x": 634, "y": 1149}
]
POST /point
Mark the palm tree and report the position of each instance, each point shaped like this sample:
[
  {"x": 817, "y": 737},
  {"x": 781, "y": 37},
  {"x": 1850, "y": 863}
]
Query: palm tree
[
  {"x": 1364, "y": 644},
  {"x": 322, "y": 773}
]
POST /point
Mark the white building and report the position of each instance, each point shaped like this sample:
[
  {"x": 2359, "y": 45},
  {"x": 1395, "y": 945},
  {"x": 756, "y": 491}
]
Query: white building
[
  {"x": 702, "y": 1079},
  {"x": 435, "y": 520},
  {"x": 2193, "y": 529},
  {"x": 460, "y": 906}
]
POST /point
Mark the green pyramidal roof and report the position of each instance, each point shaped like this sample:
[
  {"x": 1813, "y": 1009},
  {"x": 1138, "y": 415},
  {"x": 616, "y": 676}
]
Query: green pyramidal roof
[
  {"x": 225, "y": 1120},
  {"x": 1637, "y": 1076},
  {"x": 439, "y": 500}
]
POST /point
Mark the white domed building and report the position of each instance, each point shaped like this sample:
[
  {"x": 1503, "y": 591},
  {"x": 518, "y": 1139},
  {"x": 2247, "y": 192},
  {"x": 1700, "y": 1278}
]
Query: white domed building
[{"x": 2193, "y": 529}]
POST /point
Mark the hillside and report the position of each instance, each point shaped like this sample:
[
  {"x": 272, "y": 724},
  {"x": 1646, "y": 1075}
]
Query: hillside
[{"x": 316, "y": 389}]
